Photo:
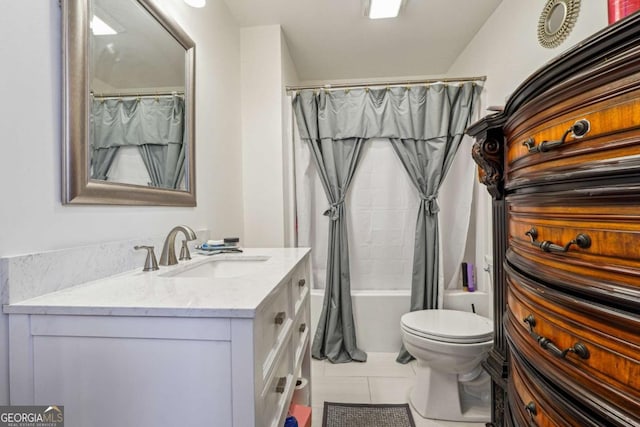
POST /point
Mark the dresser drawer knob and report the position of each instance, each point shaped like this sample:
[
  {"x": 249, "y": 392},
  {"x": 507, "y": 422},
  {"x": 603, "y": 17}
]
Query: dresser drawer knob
[
  {"x": 279, "y": 319},
  {"x": 282, "y": 384},
  {"x": 578, "y": 348},
  {"x": 302, "y": 328},
  {"x": 582, "y": 240},
  {"x": 302, "y": 282},
  {"x": 578, "y": 130},
  {"x": 532, "y": 410}
]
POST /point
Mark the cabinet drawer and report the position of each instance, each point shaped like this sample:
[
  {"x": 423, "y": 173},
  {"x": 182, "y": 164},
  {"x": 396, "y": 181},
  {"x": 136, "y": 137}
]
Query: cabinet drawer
[
  {"x": 274, "y": 397},
  {"x": 609, "y": 144},
  {"x": 603, "y": 366},
  {"x": 273, "y": 322},
  {"x": 534, "y": 402},
  {"x": 606, "y": 266},
  {"x": 300, "y": 286}
]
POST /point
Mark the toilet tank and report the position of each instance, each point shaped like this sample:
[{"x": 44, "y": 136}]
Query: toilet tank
[{"x": 455, "y": 299}]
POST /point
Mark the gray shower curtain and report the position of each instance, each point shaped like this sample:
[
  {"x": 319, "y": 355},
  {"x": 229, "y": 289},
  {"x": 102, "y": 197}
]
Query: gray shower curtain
[
  {"x": 425, "y": 125},
  {"x": 154, "y": 124}
]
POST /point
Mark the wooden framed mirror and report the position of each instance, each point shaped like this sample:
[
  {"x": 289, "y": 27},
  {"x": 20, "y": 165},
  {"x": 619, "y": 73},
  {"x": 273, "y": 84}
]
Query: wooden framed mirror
[{"x": 128, "y": 105}]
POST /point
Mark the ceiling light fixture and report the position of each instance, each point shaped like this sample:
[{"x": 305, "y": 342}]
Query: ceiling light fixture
[
  {"x": 380, "y": 9},
  {"x": 196, "y": 3},
  {"x": 100, "y": 28}
]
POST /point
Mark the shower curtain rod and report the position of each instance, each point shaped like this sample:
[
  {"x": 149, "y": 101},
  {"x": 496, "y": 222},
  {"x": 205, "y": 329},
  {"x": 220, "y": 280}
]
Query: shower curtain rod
[
  {"x": 135, "y": 95},
  {"x": 374, "y": 84}
]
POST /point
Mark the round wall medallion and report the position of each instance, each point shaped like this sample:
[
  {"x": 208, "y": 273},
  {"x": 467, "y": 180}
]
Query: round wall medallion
[{"x": 556, "y": 21}]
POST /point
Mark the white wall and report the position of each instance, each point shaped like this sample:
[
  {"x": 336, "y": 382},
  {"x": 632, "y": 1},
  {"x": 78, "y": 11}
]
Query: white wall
[
  {"x": 506, "y": 50},
  {"x": 266, "y": 67},
  {"x": 32, "y": 218},
  {"x": 289, "y": 78}
]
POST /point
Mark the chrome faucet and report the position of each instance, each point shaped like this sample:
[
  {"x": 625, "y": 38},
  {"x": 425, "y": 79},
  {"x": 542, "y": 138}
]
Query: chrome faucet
[{"x": 168, "y": 256}]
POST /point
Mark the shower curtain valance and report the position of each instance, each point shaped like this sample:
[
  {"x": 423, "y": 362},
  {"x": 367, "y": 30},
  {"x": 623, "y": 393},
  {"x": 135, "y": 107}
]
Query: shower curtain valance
[
  {"x": 137, "y": 121},
  {"x": 394, "y": 112}
]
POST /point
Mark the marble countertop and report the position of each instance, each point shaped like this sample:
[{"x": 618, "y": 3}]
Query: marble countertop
[{"x": 158, "y": 293}]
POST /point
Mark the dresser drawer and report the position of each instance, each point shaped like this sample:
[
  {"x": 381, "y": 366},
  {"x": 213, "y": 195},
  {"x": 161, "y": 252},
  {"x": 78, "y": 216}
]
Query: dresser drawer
[
  {"x": 272, "y": 324},
  {"x": 604, "y": 140},
  {"x": 534, "y": 402},
  {"x": 603, "y": 366},
  {"x": 603, "y": 261}
]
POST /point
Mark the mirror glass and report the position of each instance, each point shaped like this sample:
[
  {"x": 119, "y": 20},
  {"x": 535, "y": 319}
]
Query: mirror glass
[
  {"x": 556, "y": 21},
  {"x": 129, "y": 97},
  {"x": 556, "y": 18}
]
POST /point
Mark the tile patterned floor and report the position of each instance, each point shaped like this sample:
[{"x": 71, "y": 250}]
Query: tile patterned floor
[{"x": 379, "y": 380}]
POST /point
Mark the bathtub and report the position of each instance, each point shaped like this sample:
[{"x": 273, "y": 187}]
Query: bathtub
[{"x": 377, "y": 314}]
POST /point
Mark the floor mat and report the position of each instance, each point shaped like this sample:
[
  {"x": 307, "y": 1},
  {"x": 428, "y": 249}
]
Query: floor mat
[{"x": 366, "y": 415}]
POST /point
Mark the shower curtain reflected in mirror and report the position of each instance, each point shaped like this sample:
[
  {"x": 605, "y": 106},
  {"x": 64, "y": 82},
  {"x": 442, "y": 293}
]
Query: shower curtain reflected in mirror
[{"x": 153, "y": 125}]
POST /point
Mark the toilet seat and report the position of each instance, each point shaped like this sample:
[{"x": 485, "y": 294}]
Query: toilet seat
[{"x": 452, "y": 326}]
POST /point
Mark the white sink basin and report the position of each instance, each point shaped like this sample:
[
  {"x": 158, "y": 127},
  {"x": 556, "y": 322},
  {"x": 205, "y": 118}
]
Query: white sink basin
[{"x": 221, "y": 268}]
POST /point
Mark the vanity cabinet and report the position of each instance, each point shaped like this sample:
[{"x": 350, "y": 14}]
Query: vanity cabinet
[
  {"x": 562, "y": 162},
  {"x": 145, "y": 367}
]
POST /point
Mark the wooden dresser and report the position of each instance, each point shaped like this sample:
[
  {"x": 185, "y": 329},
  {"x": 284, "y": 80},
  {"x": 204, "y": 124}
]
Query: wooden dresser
[{"x": 562, "y": 163}]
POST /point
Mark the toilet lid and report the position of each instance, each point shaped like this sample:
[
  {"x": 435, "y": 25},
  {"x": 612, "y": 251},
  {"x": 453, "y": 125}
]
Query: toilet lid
[{"x": 448, "y": 325}]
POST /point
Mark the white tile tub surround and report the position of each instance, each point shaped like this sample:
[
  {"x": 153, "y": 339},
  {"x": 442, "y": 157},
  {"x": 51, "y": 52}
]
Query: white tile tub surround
[{"x": 32, "y": 275}]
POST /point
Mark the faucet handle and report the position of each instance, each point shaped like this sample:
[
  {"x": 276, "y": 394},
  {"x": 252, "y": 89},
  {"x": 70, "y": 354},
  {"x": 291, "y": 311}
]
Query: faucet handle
[
  {"x": 184, "y": 252},
  {"x": 150, "y": 263}
]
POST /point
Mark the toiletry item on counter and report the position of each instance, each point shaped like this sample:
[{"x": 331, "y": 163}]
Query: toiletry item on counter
[
  {"x": 465, "y": 282},
  {"x": 468, "y": 276},
  {"x": 471, "y": 277},
  {"x": 213, "y": 247},
  {"x": 231, "y": 241}
]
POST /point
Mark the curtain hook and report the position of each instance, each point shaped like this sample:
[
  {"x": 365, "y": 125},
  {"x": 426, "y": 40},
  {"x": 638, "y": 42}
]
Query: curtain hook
[{"x": 346, "y": 91}]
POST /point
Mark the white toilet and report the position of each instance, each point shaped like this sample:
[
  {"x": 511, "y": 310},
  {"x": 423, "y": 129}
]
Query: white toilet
[{"x": 448, "y": 346}]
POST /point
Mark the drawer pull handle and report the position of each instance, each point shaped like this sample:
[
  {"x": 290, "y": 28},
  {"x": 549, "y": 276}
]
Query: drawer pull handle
[
  {"x": 303, "y": 327},
  {"x": 302, "y": 282},
  {"x": 582, "y": 240},
  {"x": 578, "y": 348},
  {"x": 578, "y": 130},
  {"x": 532, "y": 410},
  {"x": 279, "y": 319},
  {"x": 282, "y": 384}
]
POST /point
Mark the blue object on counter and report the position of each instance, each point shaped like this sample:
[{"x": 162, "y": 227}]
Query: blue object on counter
[
  {"x": 290, "y": 422},
  {"x": 207, "y": 246}
]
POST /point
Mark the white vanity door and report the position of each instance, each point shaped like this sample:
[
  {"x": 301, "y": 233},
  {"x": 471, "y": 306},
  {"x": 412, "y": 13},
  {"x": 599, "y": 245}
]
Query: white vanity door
[{"x": 138, "y": 372}]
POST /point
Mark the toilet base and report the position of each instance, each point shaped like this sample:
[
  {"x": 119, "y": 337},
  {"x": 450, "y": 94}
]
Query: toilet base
[{"x": 437, "y": 395}]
